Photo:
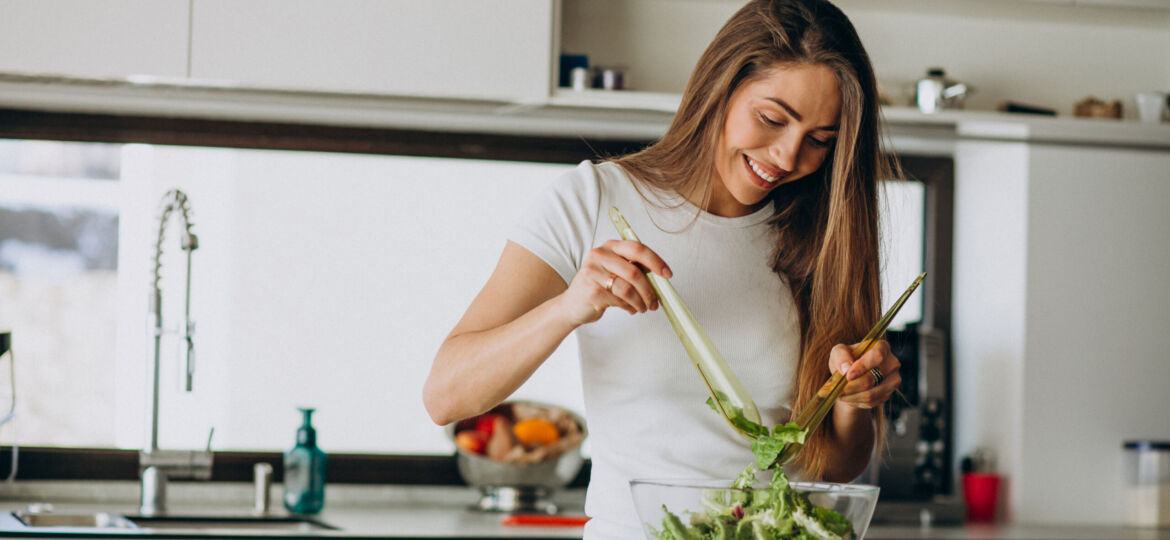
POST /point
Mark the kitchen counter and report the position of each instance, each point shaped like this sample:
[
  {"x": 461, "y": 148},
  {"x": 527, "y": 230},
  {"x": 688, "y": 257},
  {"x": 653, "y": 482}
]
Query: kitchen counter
[
  {"x": 355, "y": 511},
  {"x": 1015, "y": 532},
  {"x": 417, "y": 512},
  {"x": 399, "y": 521}
]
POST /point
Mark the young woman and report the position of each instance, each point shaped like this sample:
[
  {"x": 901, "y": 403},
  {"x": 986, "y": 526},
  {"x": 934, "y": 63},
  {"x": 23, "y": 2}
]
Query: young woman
[{"x": 762, "y": 197}]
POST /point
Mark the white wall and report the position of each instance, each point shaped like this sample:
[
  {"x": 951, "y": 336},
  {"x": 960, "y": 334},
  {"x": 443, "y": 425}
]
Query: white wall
[
  {"x": 988, "y": 296},
  {"x": 323, "y": 280},
  {"x": 1030, "y": 52},
  {"x": 1060, "y": 311},
  {"x": 1098, "y": 311}
]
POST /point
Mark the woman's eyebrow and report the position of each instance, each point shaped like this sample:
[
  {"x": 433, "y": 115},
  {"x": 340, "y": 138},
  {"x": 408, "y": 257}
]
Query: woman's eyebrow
[{"x": 797, "y": 115}]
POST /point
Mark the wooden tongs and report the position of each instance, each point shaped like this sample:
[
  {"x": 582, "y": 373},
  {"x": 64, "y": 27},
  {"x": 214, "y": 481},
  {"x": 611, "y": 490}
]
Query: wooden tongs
[{"x": 814, "y": 412}]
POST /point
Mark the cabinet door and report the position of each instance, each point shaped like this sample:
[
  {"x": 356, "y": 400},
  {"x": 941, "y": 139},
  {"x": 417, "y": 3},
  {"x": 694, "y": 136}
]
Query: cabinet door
[
  {"x": 488, "y": 49},
  {"x": 112, "y": 38}
]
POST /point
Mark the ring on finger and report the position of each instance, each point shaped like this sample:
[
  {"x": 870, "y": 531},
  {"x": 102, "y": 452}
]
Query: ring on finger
[
  {"x": 877, "y": 376},
  {"x": 609, "y": 284}
]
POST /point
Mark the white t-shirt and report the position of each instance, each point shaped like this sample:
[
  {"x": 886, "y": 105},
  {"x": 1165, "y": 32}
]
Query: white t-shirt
[{"x": 645, "y": 403}]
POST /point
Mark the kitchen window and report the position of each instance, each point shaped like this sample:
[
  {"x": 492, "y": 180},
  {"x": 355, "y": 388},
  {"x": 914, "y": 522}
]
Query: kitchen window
[
  {"x": 331, "y": 264},
  {"x": 58, "y": 272}
]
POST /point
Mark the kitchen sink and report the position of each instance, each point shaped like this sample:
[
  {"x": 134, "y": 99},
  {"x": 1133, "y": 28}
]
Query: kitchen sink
[
  {"x": 102, "y": 520},
  {"x": 267, "y": 523},
  {"x": 147, "y": 524}
]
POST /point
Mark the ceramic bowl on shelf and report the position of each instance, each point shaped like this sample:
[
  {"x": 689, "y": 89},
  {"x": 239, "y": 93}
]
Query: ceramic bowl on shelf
[{"x": 702, "y": 507}]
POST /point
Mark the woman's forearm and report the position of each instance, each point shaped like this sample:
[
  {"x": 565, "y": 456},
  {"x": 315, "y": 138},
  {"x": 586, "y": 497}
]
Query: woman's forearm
[
  {"x": 853, "y": 437},
  {"x": 474, "y": 371}
]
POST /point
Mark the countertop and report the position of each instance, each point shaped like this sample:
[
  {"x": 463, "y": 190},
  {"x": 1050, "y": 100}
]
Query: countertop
[
  {"x": 424, "y": 512},
  {"x": 355, "y": 511}
]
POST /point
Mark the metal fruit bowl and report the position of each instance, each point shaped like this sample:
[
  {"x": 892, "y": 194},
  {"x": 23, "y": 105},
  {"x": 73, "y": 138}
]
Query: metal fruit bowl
[{"x": 515, "y": 487}]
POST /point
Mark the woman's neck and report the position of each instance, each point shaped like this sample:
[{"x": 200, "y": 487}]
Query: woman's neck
[{"x": 719, "y": 202}]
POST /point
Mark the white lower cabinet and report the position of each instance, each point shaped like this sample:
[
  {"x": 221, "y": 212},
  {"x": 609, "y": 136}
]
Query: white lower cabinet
[{"x": 479, "y": 49}]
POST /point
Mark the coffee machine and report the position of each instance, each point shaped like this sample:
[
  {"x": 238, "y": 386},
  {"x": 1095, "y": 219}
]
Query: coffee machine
[{"x": 913, "y": 469}]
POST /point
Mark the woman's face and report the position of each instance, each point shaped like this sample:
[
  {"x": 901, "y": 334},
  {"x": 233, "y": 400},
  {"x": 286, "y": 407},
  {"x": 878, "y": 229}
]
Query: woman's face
[{"x": 779, "y": 128}]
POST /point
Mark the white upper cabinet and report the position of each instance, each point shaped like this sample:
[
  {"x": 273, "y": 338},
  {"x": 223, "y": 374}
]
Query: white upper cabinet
[
  {"x": 111, "y": 38},
  {"x": 479, "y": 49},
  {"x": 1163, "y": 4}
]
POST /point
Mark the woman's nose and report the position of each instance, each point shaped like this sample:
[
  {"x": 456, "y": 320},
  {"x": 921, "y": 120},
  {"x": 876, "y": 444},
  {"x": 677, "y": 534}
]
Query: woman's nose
[{"x": 785, "y": 152}]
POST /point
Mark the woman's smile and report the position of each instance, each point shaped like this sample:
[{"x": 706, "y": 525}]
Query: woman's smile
[{"x": 765, "y": 177}]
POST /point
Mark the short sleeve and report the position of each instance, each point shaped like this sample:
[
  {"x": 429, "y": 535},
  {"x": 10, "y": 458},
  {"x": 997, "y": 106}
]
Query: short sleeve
[{"x": 560, "y": 225}]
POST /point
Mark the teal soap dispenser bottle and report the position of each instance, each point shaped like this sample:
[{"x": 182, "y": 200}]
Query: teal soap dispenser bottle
[{"x": 304, "y": 471}]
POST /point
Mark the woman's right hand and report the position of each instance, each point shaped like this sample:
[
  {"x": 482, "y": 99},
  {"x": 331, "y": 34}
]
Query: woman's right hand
[{"x": 612, "y": 276}]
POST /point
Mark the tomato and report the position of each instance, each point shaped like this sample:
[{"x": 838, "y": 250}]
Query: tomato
[
  {"x": 486, "y": 424},
  {"x": 471, "y": 441}
]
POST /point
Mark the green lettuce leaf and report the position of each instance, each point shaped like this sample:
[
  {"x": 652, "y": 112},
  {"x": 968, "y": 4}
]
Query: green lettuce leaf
[
  {"x": 736, "y": 417},
  {"x": 768, "y": 447},
  {"x": 833, "y": 521}
]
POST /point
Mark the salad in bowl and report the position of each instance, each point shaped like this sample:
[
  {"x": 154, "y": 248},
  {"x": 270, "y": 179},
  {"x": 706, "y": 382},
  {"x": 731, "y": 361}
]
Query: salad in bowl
[
  {"x": 702, "y": 510},
  {"x": 750, "y": 508}
]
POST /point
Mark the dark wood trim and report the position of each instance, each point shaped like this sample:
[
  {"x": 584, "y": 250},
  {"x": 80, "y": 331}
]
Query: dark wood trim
[
  {"x": 79, "y": 463},
  {"x": 40, "y": 125},
  {"x": 938, "y": 176},
  {"x": 112, "y": 464}
]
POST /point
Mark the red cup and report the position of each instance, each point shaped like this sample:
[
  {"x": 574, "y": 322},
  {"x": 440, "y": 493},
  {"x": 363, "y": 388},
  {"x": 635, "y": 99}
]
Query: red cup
[{"x": 982, "y": 493}]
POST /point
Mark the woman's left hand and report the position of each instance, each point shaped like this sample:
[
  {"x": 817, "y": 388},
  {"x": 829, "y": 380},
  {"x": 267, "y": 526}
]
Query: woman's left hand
[{"x": 865, "y": 390}]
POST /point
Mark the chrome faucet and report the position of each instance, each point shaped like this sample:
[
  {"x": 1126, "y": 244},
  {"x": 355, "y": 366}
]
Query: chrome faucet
[{"x": 155, "y": 465}]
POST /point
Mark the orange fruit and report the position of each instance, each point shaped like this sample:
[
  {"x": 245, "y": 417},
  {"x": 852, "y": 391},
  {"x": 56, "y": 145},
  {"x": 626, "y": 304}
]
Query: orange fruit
[
  {"x": 471, "y": 441},
  {"x": 535, "y": 431}
]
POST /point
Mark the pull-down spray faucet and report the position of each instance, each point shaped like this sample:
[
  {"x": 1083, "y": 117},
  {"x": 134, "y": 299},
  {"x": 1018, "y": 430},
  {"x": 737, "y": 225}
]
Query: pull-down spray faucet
[
  {"x": 157, "y": 465},
  {"x": 172, "y": 200}
]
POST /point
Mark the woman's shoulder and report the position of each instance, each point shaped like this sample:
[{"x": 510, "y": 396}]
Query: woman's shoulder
[
  {"x": 595, "y": 180},
  {"x": 602, "y": 173}
]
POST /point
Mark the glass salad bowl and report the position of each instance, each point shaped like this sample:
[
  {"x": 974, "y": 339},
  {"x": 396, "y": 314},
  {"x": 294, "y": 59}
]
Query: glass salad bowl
[{"x": 709, "y": 509}]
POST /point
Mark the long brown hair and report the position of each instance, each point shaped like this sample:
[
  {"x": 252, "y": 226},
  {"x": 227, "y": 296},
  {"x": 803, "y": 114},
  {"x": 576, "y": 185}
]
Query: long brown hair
[{"x": 827, "y": 223}]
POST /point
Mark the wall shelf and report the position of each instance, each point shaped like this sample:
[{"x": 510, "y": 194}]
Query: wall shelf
[
  {"x": 600, "y": 114},
  {"x": 616, "y": 99}
]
